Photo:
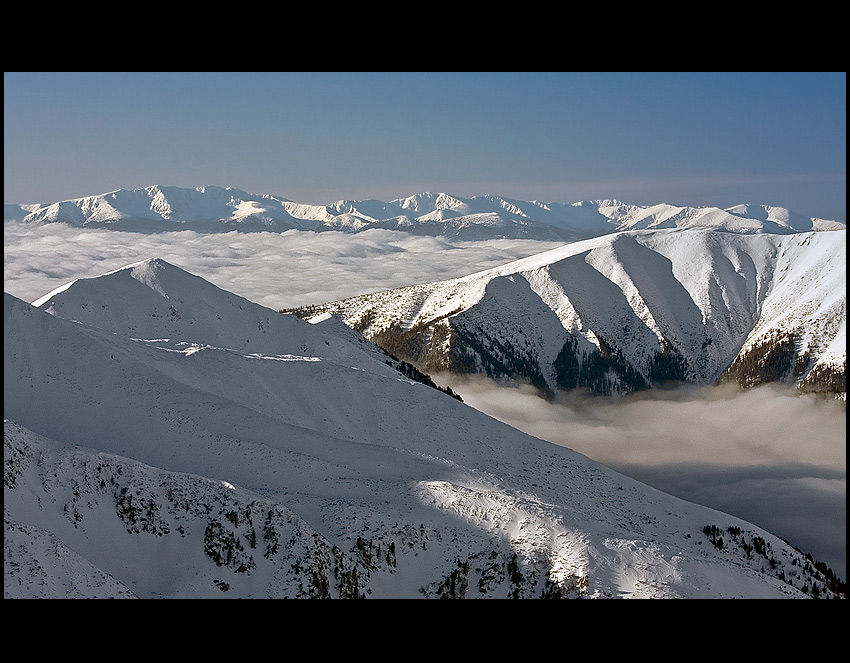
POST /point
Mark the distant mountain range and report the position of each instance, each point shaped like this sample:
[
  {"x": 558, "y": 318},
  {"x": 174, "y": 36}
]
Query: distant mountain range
[
  {"x": 630, "y": 310},
  {"x": 165, "y": 438},
  {"x": 217, "y": 209}
]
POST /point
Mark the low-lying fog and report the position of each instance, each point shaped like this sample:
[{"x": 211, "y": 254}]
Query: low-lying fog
[{"x": 770, "y": 457}]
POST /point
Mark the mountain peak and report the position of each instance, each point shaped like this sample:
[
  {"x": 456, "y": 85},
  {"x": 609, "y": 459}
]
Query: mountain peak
[
  {"x": 147, "y": 272},
  {"x": 428, "y": 202}
]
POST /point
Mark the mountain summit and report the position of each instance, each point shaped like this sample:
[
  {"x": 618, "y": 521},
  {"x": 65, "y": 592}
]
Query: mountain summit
[
  {"x": 165, "y": 438},
  {"x": 217, "y": 209}
]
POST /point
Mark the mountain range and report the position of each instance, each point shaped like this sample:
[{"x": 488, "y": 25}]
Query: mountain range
[
  {"x": 166, "y": 438},
  {"x": 219, "y": 209}
]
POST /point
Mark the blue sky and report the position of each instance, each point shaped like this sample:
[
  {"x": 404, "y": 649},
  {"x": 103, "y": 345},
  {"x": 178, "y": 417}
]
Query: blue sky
[{"x": 682, "y": 138}]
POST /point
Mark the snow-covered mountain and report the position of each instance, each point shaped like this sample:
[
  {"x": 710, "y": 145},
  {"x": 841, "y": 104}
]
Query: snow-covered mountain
[
  {"x": 630, "y": 310},
  {"x": 166, "y": 438},
  {"x": 213, "y": 209}
]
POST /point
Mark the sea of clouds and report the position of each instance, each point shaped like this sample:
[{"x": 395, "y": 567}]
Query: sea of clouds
[
  {"x": 278, "y": 270},
  {"x": 767, "y": 455}
]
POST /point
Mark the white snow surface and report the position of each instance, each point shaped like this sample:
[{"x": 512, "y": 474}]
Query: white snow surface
[
  {"x": 212, "y": 208},
  {"x": 166, "y": 438}
]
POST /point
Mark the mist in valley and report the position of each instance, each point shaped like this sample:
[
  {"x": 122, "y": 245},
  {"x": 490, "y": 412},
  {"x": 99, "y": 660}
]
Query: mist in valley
[{"x": 768, "y": 455}]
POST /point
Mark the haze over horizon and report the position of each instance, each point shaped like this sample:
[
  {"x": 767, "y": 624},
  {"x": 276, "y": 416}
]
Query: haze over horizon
[{"x": 683, "y": 138}]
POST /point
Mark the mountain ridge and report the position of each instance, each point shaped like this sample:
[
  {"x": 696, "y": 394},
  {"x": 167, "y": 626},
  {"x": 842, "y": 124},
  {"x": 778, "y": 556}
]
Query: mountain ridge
[
  {"x": 222, "y": 209},
  {"x": 625, "y": 310}
]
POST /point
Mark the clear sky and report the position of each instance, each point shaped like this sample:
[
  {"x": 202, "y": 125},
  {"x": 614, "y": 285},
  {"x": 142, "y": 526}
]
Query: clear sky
[{"x": 682, "y": 138}]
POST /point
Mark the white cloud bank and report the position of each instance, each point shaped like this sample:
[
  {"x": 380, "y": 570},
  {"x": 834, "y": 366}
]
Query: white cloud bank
[{"x": 278, "y": 270}]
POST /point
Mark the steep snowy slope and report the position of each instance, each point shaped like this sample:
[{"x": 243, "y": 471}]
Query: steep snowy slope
[
  {"x": 801, "y": 331},
  {"x": 629, "y": 310},
  {"x": 185, "y": 453},
  {"x": 216, "y": 209}
]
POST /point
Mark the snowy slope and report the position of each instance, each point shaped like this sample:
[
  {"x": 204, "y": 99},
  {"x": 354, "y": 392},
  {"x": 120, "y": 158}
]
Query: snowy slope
[
  {"x": 213, "y": 209},
  {"x": 162, "y": 302},
  {"x": 806, "y": 310},
  {"x": 154, "y": 452},
  {"x": 628, "y": 310}
]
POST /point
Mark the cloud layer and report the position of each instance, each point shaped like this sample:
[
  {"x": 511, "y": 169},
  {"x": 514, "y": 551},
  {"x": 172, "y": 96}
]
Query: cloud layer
[{"x": 278, "y": 270}]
